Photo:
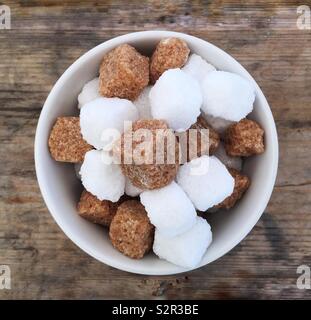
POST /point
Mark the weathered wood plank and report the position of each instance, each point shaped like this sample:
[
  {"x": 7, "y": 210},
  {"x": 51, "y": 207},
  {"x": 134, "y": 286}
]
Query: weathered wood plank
[{"x": 47, "y": 36}]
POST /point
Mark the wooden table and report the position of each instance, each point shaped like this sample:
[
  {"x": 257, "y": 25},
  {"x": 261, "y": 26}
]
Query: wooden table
[{"x": 46, "y": 37}]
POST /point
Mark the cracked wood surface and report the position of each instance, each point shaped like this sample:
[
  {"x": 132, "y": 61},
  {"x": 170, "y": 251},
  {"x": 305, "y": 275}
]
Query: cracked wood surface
[{"x": 46, "y": 37}]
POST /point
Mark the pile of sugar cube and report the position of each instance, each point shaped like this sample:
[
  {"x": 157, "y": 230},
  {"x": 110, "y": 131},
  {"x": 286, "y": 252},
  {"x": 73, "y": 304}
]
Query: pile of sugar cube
[{"x": 159, "y": 205}]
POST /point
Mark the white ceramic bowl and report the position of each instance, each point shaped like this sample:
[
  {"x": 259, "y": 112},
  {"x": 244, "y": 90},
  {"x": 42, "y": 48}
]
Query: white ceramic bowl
[{"x": 61, "y": 189}]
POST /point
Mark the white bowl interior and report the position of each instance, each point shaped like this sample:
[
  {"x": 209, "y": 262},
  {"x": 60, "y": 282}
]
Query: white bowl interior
[{"x": 61, "y": 189}]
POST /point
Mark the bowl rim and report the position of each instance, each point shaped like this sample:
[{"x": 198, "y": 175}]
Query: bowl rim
[{"x": 39, "y": 170}]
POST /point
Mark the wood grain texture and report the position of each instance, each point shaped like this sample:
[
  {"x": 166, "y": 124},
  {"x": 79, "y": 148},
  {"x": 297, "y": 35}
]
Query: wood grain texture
[{"x": 46, "y": 37}]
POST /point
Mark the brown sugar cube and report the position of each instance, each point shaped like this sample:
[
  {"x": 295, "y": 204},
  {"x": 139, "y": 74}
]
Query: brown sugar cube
[
  {"x": 65, "y": 142},
  {"x": 154, "y": 159},
  {"x": 170, "y": 53},
  {"x": 124, "y": 73},
  {"x": 97, "y": 211},
  {"x": 241, "y": 184},
  {"x": 131, "y": 231},
  {"x": 206, "y": 142},
  {"x": 244, "y": 139}
]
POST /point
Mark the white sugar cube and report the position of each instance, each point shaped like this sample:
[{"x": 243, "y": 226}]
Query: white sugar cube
[
  {"x": 197, "y": 67},
  {"x": 169, "y": 209},
  {"x": 101, "y": 177},
  {"x": 186, "y": 249},
  {"x": 102, "y": 120},
  {"x": 89, "y": 92},
  {"x": 176, "y": 97},
  {"x": 131, "y": 190},
  {"x": 143, "y": 105},
  {"x": 227, "y": 95},
  {"x": 206, "y": 181}
]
